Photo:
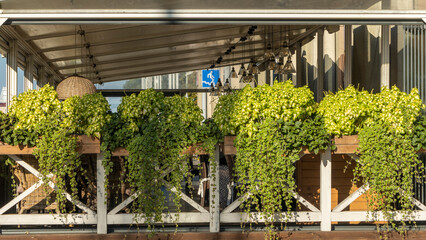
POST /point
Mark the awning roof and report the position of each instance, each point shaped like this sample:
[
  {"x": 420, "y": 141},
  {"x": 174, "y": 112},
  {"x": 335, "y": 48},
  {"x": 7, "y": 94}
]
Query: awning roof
[
  {"x": 129, "y": 39},
  {"x": 117, "y": 52}
]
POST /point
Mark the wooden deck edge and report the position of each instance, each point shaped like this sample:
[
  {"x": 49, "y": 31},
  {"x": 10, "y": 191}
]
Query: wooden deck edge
[
  {"x": 197, "y": 149},
  {"x": 292, "y": 235},
  {"x": 86, "y": 145}
]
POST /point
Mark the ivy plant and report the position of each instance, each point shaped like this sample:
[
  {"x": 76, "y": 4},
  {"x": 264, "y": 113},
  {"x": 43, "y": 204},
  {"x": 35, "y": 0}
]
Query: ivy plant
[
  {"x": 156, "y": 130},
  {"x": 390, "y": 130},
  {"x": 272, "y": 125},
  {"x": 38, "y": 118}
]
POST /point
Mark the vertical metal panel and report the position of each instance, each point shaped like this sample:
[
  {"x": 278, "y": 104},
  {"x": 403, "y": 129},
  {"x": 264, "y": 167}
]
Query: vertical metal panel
[
  {"x": 414, "y": 61},
  {"x": 414, "y": 65}
]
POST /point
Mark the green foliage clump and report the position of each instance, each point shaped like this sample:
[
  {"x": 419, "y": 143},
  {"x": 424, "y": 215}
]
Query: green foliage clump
[
  {"x": 390, "y": 132},
  {"x": 86, "y": 115},
  {"x": 346, "y": 111},
  {"x": 157, "y": 132},
  {"x": 37, "y": 117},
  {"x": 272, "y": 125}
]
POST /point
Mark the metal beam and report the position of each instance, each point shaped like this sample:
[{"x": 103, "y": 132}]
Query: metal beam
[
  {"x": 140, "y": 37},
  {"x": 212, "y": 52},
  {"x": 72, "y": 33},
  {"x": 200, "y": 16},
  {"x": 2, "y": 21},
  {"x": 9, "y": 33},
  {"x": 148, "y": 44}
]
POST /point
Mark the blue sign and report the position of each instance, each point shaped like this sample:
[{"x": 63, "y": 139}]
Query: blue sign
[{"x": 209, "y": 77}]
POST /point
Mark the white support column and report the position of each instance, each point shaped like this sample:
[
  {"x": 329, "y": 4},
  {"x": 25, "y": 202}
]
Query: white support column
[
  {"x": 325, "y": 190},
  {"x": 101, "y": 196},
  {"x": 214, "y": 192},
  {"x": 299, "y": 70},
  {"x": 385, "y": 55},
  {"x": 347, "y": 74},
  {"x": 12, "y": 71},
  {"x": 320, "y": 69},
  {"x": 28, "y": 81}
]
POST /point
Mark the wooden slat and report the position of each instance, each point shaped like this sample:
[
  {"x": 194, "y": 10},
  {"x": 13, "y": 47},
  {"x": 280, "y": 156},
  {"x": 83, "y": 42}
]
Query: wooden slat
[
  {"x": 345, "y": 149},
  {"x": 86, "y": 145},
  {"x": 122, "y": 152},
  {"x": 229, "y": 140},
  {"x": 347, "y": 140}
]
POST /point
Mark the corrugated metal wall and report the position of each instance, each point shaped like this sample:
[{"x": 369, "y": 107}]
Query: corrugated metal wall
[
  {"x": 414, "y": 75},
  {"x": 414, "y": 62}
]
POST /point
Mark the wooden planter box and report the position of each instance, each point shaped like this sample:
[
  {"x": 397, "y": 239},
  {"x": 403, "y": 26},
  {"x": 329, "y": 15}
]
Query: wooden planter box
[
  {"x": 122, "y": 152},
  {"x": 86, "y": 145}
]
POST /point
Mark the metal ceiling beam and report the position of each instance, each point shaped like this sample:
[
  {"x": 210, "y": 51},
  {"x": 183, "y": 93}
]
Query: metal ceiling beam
[
  {"x": 207, "y": 58},
  {"x": 164, "y": 69},
  {"x": 145, "y": 46},
  {"x": 174, "y": 55},
  {"x": 10, "y": 33},
  {"x": 72, "y": 33},
  {"x": 209, "y": 16},
  {"x": 124, "y": 40}
]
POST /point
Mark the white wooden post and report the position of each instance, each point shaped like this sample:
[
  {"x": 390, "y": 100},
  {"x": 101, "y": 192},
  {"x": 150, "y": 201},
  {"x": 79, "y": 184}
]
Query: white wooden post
[
  {"x": 12, "y": 71},
  {"x": 325, "y": 190},
  {"x": 101, "y": 195},
  {"x": 214, "y": 192}
]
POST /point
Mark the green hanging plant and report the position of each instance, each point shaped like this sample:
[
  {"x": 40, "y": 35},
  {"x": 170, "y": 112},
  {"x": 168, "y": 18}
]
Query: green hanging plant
[
  {"x": 272, "y": 125},
  {"x": 389, "y": 137},
  {"x": 37, "y": 117},
  {"x": 156, "y": 131}
]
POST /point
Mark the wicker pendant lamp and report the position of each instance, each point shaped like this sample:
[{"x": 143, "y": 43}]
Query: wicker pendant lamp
[{"x": 75, "y": 86}]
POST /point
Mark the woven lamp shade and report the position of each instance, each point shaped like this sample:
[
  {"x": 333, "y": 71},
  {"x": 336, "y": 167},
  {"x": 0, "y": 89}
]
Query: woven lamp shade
[{"x": 75, "y": 86}]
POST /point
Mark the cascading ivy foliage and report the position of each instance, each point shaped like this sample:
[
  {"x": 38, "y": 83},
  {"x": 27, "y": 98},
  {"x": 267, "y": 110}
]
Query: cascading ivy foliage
[
  {"x": 38, "y": 118},
  {"x": 391, "y": 130},
  {"x": 272, "y": 125},
  {"x": 156, "y": 130}
]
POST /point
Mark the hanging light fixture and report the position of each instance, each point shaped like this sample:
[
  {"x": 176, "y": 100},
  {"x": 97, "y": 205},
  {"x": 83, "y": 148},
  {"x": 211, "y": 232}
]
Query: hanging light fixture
[
  {"x": 268, "y": 52},
  {"x": 211, "y": 89},
  {"x": 233, "y": 73},
  {"x": 242, "y": 70},
  {"x": 271, "y": 63},
  {"x": 284, "y": 50},
  {"x": 289, "y": 67},
  {"x": 243, "y": 77},
  {"x": 227, "y": 86},
  {"x": 219, "y": 86},
  {"x": 279, "y": 68}
]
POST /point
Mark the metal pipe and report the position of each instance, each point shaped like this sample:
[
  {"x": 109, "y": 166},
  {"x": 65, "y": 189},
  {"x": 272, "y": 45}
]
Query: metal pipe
[{"x": 225, "y": 16}]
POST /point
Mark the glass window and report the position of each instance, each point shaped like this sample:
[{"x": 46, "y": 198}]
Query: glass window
[
  {"x": 3, "y": 89},
  {"x": 21, "y": 80}
]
